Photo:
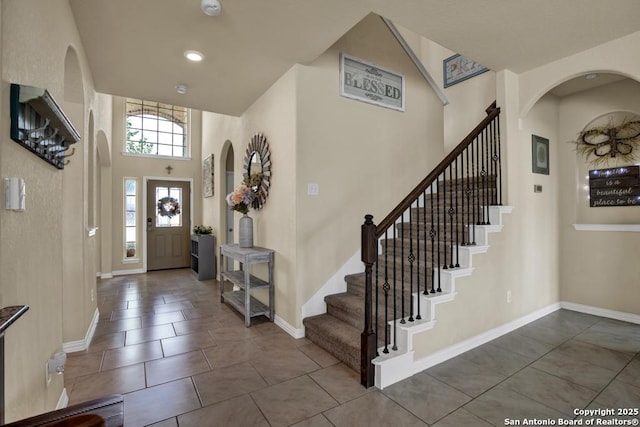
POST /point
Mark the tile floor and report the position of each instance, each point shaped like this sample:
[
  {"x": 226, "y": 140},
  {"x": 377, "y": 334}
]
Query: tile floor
[{"x": 180, "y": 357}]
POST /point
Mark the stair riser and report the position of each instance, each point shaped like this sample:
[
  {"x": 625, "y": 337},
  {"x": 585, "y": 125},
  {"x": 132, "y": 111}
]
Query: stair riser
[
  {"x": 341, "y": 352},
  {"x": 356, "y": 318},
  {"x": 418, "y": 249}
]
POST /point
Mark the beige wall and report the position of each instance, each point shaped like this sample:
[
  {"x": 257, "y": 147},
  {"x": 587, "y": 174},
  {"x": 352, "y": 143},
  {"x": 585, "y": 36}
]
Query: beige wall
[
  {"x": 467, "y": 100},
  {"x": 273, "y": 114},
  {"x": 595, "y": 268},
  {"x": 138, "y": 167},
  {"x": 539, "y": 256},
  {"x": 42, "y": 252},
  {"x": 523, "y": 258},
  {"x": 598, "y": 267},
  {"x": 363, "y": 157}
]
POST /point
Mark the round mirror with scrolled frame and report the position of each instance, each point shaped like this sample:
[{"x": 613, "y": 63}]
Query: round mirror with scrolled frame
[{"x": 257, "y": 169}]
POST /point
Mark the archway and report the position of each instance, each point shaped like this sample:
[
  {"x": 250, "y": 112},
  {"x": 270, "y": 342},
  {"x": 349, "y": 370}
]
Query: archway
[
  {"x": 227, "y": 184},
  {"x": 78, "y": 287}
]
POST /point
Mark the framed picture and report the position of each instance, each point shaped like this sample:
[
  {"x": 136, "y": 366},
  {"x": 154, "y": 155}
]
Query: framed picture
[
  {"x": 457, "y": 68},
  {"x": 207, "y": 176},
  {"x": 539, "y": 155},
  {"x": 370, "y": 83}
]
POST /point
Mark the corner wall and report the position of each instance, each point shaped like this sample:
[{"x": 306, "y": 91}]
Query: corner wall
[
  {"x": 364, "y": 158},
  {"x": 598, "y": 266},
  {"x": 31, "y": 249},
  {"x": 595, "y": 270}
]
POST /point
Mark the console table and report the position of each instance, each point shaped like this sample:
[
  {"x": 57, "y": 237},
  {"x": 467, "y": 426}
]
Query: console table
[{"x": 242, "y": 279}]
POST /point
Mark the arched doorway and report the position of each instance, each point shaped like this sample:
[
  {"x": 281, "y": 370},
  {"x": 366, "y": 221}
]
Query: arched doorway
[{"x": 228, "y": 185}]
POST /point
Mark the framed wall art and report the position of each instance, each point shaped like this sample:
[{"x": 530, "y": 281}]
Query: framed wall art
[
  {"x": 458, "y": 68},
  {"x": 207, "y": 176},
  {"x": 539, "y": 155},
  {"x": 370, "y": 83}
]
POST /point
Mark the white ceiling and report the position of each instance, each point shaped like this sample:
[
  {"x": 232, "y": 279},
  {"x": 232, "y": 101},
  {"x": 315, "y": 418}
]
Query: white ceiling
[{"x": 135, "y": 47}]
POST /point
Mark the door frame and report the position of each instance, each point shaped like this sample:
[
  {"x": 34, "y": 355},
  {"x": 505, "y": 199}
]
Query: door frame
[{"x": 145, "y": 181}]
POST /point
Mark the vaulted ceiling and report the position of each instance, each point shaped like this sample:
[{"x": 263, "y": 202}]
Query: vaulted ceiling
[{"x": 135, "y": 47}]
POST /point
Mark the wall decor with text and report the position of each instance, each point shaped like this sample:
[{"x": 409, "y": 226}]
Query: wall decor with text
[
  {"x": 371, "y": 83},
  {"x": 614, "y": 187},
  {"x": 458, "y": 68}
]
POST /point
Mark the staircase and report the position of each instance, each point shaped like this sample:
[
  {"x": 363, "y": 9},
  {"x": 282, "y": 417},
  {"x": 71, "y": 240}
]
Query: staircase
[{"x": 413, "y": 257}]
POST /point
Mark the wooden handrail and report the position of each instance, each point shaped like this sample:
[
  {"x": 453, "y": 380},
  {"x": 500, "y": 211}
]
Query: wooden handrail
[{"x": 492, "y": 112}]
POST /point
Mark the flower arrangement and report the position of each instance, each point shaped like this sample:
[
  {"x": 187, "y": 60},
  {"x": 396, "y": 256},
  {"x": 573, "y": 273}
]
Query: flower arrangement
[
  {"x": 202, "y": 229},
  {"x": 240, "y": 199}
]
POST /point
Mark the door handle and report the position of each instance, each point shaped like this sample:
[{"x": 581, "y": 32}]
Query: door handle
[
  {"x": 149, "y": 224},
  {"x": 231, "y": 230}
]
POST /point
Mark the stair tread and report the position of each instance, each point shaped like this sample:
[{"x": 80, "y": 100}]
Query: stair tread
[{"x": 335, "y": 328}]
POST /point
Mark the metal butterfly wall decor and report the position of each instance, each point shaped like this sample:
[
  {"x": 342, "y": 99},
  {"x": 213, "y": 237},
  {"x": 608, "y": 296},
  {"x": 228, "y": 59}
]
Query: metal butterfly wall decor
[{"x": 610, "y": 142}]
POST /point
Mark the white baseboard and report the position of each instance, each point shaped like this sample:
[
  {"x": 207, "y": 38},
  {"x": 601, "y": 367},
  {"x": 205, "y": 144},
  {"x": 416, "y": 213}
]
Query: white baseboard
[
  {"x": 63, "y": 401},
  {"x": 81, "y": 345},
  {"x": 602, "y": 312},
  {"x": 409, "y": 367},
  {"x": 285, "y": 326},
  {"x": 125, "y": 272}
]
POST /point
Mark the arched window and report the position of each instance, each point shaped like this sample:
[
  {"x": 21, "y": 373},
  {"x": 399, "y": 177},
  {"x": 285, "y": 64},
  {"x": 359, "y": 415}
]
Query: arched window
[{"x": 156, "y": 129}]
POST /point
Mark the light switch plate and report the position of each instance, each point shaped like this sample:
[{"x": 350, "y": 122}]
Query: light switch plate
[{"x": 313, "y": 189}]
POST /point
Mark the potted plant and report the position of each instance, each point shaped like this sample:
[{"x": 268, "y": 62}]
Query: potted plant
[{"x": 202, "y": 229}]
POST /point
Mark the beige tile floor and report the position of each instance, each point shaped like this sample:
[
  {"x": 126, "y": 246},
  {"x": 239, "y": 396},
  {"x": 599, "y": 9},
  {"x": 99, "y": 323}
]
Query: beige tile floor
[{"x": 181, "y": 358}]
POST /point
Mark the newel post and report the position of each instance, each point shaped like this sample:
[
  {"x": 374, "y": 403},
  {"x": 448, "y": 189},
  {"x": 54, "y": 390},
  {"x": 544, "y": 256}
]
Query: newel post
[{"x": 368, "y": 337}]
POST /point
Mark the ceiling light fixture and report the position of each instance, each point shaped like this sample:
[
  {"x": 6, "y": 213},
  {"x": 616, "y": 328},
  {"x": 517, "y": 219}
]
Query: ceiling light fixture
[
  {"x": 211, "y": 7},
  {"x": 182, "y": 89},
  {"x": 193, "y": 55}
]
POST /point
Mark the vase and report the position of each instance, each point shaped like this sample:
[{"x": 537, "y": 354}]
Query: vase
[{"x": 246, "y": 232}]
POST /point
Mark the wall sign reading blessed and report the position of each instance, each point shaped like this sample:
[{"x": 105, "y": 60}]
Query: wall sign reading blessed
[
  {"x": 615, "y": 186},
  {"x": 370, "y": 83}
]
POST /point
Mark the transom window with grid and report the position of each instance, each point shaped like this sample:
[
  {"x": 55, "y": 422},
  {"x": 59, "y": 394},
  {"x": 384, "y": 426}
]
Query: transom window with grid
[{"x": 156, "y": 129}]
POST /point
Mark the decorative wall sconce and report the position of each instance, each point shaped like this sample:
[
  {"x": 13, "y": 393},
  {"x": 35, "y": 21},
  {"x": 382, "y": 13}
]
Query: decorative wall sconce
[
  {"x": 605, "y": 142},
  {"x": 40, "y": 125}
]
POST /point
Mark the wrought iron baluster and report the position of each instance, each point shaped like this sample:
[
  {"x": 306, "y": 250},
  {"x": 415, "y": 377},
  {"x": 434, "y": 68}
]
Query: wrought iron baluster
[
  {"x": 497, "y": 122},
  {"x": 418, "y": 235},
  {"x": 386, "y": 287},
  {"x": 402, "y": 280},
  {"x": 411, "y": 258},
  {"x": 424, "y": 231},
  {"x": 458, "y": 219},
  {"x": 443, "y": 237},
  {"x": 432, "y": 234},
  {"x": 438, "y": 236},
  {"x": 494, "y": 166},
  {"x": 485, "y": 176},
  {"x": 377, "y": 304},
  {"x": 395, "y": 295},
  {"x": 451, "y": 213}
]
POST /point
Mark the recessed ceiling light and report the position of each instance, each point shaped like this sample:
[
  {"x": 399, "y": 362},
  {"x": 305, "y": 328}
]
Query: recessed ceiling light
[
  {"x": 591, "y": 76},
  {"x": 193, "y": 55},
  {"x": 182, "y": 89}
]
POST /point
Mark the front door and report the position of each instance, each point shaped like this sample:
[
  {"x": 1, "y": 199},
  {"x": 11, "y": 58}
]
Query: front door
[{"x": 168, "y": 224}]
